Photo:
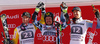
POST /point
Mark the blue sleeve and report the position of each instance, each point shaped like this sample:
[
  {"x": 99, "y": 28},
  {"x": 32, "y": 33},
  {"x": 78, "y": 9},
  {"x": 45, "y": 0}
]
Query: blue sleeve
[
  {"x": 63, "y": 20},
  {"x": 35, "y": 22},
  {"x": 88, "y": 24},
  {"x": 98, "y": 24},
  {"x": 64, "y": 25}
]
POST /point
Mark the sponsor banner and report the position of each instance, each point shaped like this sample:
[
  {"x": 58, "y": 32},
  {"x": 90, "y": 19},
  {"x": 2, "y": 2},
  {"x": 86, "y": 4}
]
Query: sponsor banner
[
  {"x": 14, "y": 18},
  {"x": 11, "y": 25},
  {"x": 38, "y": 37}
]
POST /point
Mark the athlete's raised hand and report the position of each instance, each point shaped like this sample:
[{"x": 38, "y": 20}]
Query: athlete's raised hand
[
  {"x": 39, "y": 6},
  {"x": 96, "y": 12},
  {"x": 63, "y": 7}
]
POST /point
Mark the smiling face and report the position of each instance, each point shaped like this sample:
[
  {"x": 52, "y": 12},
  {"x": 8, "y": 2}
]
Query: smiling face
[
  {"x": 25, "y": 19},
  {"x": 77, "y": 14},
  {"x": 48, "y": 20}
]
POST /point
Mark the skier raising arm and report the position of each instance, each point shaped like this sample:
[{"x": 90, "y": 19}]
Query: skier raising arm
[
  {"x": 78, "y": 26},
  {"x": 25, "y": 32},
  {"x": 64, "y": 15},
  {"x": 48, "y": 29},
  {"x": 96, "y": 12}
]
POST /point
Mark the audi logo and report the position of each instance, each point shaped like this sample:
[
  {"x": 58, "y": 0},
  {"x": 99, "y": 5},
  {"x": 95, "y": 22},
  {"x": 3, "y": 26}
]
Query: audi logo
[{"x": 11, "y": 25}]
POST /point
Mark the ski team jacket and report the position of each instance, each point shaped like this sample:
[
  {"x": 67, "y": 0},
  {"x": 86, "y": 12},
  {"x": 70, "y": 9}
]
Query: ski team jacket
[
  {"x": 49, "y": 32},
  {"x": 24, "y": 37},
  {"x": 79, "y": 30}
]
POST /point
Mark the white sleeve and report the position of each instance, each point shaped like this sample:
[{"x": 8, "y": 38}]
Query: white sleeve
[{"x": 88, "y": 24}]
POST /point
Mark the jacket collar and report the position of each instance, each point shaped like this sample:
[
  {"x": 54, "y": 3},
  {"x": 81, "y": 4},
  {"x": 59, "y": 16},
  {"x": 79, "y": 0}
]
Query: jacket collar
[{"x": 77, "y": 20}]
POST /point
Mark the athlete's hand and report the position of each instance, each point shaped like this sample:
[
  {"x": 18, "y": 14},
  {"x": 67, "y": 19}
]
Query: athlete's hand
[
  {"x": 39, "y": 6},
  {"x": 63, "y": 7},
  {"x": 43, "y": 6},
  {"x": 96, "y": 12}
]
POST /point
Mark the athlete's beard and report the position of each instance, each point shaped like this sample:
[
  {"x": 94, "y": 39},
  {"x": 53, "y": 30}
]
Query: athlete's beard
[
  {"x": 74, "y": 19},
  {"x": 49, "y": 22}
]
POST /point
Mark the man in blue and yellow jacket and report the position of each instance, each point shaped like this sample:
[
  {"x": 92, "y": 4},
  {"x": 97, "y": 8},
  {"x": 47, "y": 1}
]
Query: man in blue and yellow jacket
[{"x": 25, "y": 32}]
